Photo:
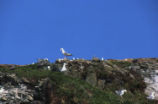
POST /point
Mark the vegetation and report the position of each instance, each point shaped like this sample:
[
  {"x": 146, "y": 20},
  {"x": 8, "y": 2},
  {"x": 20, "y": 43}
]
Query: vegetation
[
  {"x": 72, "y": 90},
  {"x": 121, "y": 64}
]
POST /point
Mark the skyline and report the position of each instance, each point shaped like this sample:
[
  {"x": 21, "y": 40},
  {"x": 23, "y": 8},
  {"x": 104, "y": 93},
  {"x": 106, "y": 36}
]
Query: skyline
[{"x": 111, "y": 29}]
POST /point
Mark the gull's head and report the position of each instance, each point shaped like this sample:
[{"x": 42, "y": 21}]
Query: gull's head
[{"x": 62, "y": 50}]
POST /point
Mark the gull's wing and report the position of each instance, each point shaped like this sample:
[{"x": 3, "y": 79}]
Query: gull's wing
[{"x": 68, "y": 54}]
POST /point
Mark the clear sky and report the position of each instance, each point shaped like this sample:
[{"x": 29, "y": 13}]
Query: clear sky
[{"x": 113, "y": 29}]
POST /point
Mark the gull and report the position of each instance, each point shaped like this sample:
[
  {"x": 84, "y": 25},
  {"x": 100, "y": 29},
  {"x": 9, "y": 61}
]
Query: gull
[
  {"x": 151, "y": 96},
  {"x": 64, "y": 67},
  {"x": 120, "y": 92},
  {"x": 48, "y": 67},
  {"x": 46, "y": 59},
  {"x": 65, "y": 53},
  {"x": 102, "y": 59},
  {"x": 1, "y": 90}
]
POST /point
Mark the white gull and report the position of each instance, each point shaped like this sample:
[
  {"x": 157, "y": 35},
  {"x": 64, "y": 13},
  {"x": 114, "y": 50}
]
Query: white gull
[
  {"x": 151, "y": 96},
  {"x": 120, "y": 92},
  {"x": 65, "y": 53},
  {"x": 64, "y": 67}
]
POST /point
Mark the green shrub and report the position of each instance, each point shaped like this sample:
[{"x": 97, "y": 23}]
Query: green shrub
[{"x": 121, "y": 64}]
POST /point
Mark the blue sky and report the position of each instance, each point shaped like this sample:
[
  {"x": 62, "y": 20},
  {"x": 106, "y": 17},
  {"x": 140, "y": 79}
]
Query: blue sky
[{"x": 113, "y": 29}]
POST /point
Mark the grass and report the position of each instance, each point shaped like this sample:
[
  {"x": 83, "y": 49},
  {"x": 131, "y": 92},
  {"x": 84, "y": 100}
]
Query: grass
[
  {"x": 76, "y": 91},
  {"x": 121, "y": 64}
]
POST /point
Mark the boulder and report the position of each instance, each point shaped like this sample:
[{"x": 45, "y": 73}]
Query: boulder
[
  {"x": 101, "y": 84},
  {"x": 91, "y": 78}
]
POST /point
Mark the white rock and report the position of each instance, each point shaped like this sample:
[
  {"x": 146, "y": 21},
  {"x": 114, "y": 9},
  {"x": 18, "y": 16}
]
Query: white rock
[
  {"x": 16, "y": 93},
  {"x": 23, "y": 87},
  {"x": 60, "y": 60},
  {"x": 152, "y": 84},
  {"x": 151, "y": 96},
  {"x": 81, "y": 67}
]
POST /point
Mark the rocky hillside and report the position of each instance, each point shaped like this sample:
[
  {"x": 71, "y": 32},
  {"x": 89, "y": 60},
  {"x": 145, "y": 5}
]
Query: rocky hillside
[{"x": 83, "y": 82}]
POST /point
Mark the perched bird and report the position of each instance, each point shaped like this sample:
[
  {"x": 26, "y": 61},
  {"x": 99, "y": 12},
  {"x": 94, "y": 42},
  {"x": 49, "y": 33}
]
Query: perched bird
[
  {"x": 151, "y": 96},
  {"x": 48, "y": 67},
  {"x": 46, "y": 59},
  {"x": 120, "y": 92},
  {"x": 64, "y": 67},
  {"x": 1, "y": 90},
  {"x": 65, "y": 53},
  {"x": 102, "y": 59}
]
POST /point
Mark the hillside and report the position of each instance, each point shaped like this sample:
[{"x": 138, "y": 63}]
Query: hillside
[{"x": 84, "y": 82}]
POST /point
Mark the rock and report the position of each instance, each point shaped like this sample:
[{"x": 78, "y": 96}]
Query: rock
[
  {"x": 30, "y": 97},
  {"x": 43, "y": 62},
  {"x": 3, "y": 98},
  {"x": 95, "y": 59},
  {"x": 38, "y": 102},
  {"x": 25, "y": 80},
  {"x": 13, "y": 91},
  {"x": 91, "y": 79},
  {"x": 152, "y": 84},
  {"x": 101, "y": 84},
  {"x": 132, "y": 76},
  {"x": 108, "y": 67},
  {"x": 134, "y": 68}
]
